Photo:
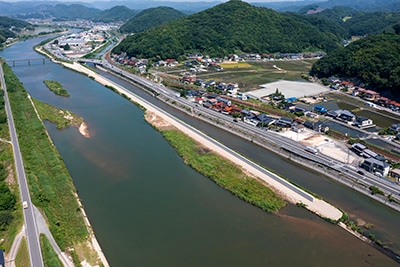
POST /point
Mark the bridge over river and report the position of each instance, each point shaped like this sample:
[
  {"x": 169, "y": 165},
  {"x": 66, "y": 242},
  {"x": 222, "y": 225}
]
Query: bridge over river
[{"x": 28, "y": 61}]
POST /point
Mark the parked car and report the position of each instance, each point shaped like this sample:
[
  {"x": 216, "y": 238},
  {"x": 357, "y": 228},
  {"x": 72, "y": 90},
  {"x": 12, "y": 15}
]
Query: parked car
[{"x": 360, "y": 172}]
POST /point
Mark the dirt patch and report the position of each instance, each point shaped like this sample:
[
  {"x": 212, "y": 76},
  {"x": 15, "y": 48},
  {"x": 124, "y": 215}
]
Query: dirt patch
[
  {"x": 313, "y": 140},
  {"x": 158, "y": 122},
  {"x": 10, "y": 177}
]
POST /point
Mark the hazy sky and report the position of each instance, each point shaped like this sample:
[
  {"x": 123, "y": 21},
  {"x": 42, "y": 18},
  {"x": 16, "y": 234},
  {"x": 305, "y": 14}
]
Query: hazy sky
[{"x": 116, "y": 1}]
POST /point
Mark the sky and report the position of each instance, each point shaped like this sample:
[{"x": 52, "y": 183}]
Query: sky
[{"x": 116, "y": 1}]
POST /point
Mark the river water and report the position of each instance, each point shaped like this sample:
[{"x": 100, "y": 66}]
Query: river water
[{"x": 148, "y": 208}]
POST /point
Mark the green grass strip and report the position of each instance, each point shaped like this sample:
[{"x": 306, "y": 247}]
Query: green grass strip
[
  {"x": 22, "y": 257},
  {"x": 50, "y": 258},
  {"x": 224, "y": 173}
]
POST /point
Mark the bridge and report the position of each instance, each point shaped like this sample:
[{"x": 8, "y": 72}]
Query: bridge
[{"x": 27, "y": 61}]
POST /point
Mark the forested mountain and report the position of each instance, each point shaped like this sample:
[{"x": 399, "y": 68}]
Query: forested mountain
[
  {"x": 7, "y": 23},
  {"x": 73, "y": 11},
  {"x": 371, "y": 23},
  {"x": 362, "y": 5},
  {"x": 150, "y": 18},
  {"x": 374, "y": 60},
  {"x": 231, "y": 27},
  {"x": 117, "y": 13},
  {"x": 59, "y": 11}
]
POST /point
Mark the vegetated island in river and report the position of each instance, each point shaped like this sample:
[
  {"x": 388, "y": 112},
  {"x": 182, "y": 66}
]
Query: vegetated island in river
[
  {"x": 62, "y": 118},
  {"x": 56, "y": 88},
  {"x": 220, "y": 170}
]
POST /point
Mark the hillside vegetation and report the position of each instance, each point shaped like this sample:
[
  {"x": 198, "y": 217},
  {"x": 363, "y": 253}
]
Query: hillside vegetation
[
  {"x": 231, "y": 27},
  {"x": 150, "y": 18},
  {"x": 358, "y": 23},
  {"x": 117, "y": 13},
  {"x": 374, "y": 60},
  {"x": 6, "y": 23}
]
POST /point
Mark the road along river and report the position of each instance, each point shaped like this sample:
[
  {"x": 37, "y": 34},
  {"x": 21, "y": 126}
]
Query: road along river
[{"x": 147, "y": 208}]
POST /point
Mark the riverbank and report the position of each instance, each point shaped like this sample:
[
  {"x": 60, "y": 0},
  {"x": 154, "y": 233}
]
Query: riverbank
[{"x": 278, "y": 184}]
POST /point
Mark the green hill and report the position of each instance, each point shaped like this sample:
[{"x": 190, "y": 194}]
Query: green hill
[
  {"x": 231, "y": 27},
  {"x": 374, "y": 60},
  {"x": 73, "y": 11},
  {"x": 150, "y": 18},
  {"x": 7, "y": 23},
  {"x": 117, "y": 13}
]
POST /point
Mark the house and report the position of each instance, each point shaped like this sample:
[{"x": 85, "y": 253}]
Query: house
[
  {"x": 284, "y": 122},
  {"x": 334, "y": 113},
  {"x": 199, "y": 100},
  {"x": 358, "y": 148},
  {"x": 318, "y": 126},
  {"x": 298, "y": 128},
  {"x": 395, "y": 127},
  {"x": 347, "y": 116},
  {"x": 265, "y": 120},
  {"x": 299, "y": 109},
  {"x": 348, "y": 85},
  {"x": 371, "y": 95},
  {"x": 375, "y": 166},
  {"x": 363, "y": 122},
  {"x": 224, "y": 100},
  {"x": 383, "y": 101},
  {"x": 311, "y": 115},
  {"x": 395, "y": 173}
]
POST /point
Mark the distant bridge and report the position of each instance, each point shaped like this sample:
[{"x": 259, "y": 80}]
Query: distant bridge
[{"x": 27, "y": 61}]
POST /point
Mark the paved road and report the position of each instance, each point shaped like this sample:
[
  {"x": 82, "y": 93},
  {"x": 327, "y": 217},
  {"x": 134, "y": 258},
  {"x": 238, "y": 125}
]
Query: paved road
[{"x": 29, "y": 217}]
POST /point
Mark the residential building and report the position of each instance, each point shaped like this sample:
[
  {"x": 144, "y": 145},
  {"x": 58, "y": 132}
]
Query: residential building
[
  {"x": 376, "y": 166},
  {"x": 363, "y": 122}
]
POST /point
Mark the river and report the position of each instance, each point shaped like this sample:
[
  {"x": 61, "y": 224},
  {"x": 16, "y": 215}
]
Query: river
[{"x": 148, "y": 208}]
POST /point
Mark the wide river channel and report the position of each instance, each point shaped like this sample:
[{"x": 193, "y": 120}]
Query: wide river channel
[{"x": 148, "y": 208}]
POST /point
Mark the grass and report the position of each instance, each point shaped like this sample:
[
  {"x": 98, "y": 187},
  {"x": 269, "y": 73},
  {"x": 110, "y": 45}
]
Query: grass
[
  {"x": 22, "y": 258},
  {"x": 50, "y": 257},
  {"x": 56, "y": 88},
  {"x": 224, "y": 173},
  {"x": 62, "y": 118},
  {"x": 50, "y": 184}
]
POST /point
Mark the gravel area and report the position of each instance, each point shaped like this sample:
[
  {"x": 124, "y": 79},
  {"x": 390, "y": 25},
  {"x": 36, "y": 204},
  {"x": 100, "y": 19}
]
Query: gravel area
[{"x": 289, "y": 89}]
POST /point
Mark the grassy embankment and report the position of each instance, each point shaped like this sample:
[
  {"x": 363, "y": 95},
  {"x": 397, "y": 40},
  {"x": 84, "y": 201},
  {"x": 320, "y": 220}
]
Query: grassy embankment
[
  {"x": 223, "y": 172},
  {"x": 56, "y": 88},
  {"x": 50, "y": 184}
]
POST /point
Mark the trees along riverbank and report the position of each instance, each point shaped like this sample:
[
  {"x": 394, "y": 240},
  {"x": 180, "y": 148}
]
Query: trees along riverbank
[{"x": 50, "y": 184}]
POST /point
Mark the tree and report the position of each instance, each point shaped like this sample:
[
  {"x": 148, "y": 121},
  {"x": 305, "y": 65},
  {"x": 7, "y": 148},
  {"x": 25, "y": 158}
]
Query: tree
[
  {"x": 67, "y": 47},
  {"x": 5, "y": 219},
  {"x": 396, "y": 28}
]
